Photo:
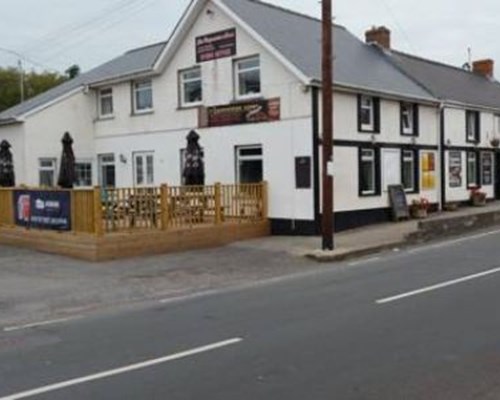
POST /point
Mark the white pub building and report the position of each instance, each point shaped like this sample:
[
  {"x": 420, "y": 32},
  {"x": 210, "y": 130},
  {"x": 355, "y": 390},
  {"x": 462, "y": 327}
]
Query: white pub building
[{"x": 245, "y": 75}]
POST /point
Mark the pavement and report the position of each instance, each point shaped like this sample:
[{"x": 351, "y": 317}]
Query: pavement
[
  {"x": 39, "y": 287},
  {"x": 418, "y": 324}
]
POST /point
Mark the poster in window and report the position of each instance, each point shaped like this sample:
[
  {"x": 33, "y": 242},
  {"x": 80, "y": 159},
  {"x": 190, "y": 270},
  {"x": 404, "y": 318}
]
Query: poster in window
[
  {"x": 455, "y": 169},
  {"x": 487, "y": 168},
  {"x": 428, "y": 166}
]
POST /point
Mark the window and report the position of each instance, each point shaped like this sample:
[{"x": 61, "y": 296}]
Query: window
[
  {"x": 47, "y": 171},
  {"x": 487, "y": 168},
  {"x": 143, "y": 96},
  {"x": 247, "y": 73},
  {"x": 409, "y": 119},
  {"x": 497, "y": 125},
  {"x": 143, "y": 169},
  {"x": 472, "y": 126},
  {"x": 367, "y": 172},
  {"x": 472, "y": 171},
  {"x": 107, "y": 174},
  {"x": 249, "y": 164},
  {"x": 191, "y": 87},
  {"x": 83, "y": 174},
  {"x": 368, "y": 114},
  {"x": 106, "y": 102},
  {"x": 409, "y": 170}
]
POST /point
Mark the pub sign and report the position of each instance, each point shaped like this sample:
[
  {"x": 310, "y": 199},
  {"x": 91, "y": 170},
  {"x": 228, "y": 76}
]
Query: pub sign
[{"x": 216, "y": 45}]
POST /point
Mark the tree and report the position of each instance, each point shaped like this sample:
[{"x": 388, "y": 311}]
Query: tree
[
  {"x": 73, "y": 71},
  {"x": 34, "y": 84}
]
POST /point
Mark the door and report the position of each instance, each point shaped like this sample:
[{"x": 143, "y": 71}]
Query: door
[
  {"x": 497, "y": 175},
  {"x": 107, "y": 172}
]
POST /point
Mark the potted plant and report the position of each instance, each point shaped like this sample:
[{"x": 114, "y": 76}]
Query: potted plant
[
  {"x": 419, "y": 208},
  {"x": 477, "y": 197}
]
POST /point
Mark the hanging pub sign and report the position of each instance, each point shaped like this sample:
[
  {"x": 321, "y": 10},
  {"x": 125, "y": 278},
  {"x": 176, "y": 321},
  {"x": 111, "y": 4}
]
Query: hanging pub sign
[
  {"x": 455, "y": 169},
  {"x": 43, "y": 209},
  {"x": 487, "y": 168},
  {"x": 240, "y": 113},
  {"x": 216, "y": 45}
]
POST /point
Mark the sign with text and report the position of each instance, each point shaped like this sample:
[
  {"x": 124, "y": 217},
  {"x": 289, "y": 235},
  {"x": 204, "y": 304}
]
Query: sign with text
[
  {"x": 43, "y": 209},
  {"x": 399, "y": 204},
  {"x": 241, "y": 113},
  {"x": 455, "y": 169},
  {"x": 216, "y": 45}
]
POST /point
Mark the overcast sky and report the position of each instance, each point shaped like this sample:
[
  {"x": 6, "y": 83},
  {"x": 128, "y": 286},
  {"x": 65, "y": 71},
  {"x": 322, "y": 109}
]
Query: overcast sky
[{"x": 58, "y": 33}]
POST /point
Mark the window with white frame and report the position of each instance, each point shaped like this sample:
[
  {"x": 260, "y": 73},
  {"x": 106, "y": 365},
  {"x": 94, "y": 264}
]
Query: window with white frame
[
  {"x": 143, "y": 96},
  {"x": 144, "y": 169},
  {"x": 106, "y": 102},
  {"x": 408, "y": 178},
  {"x": 249, "y": 164},
  {"x": 472, "y": 171},
  {"x": 366, "y": 113},
  {"x": 191, "y": 87},
  {"x": 247, "y": 77},
  {"x": 472, "y": 126},
  {"x": 47, "y": 171},
  {"x": 83, "y": 174},
  {"x": 409, "y": 117},
  {"x": 368, "y": 170}
]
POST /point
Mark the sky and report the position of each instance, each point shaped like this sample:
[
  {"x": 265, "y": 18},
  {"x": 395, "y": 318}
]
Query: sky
[{"x": 55, "y": 34}]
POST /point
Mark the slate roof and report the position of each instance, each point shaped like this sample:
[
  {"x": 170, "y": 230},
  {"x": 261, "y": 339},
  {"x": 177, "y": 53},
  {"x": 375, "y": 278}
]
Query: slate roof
[
  {"x": 134, "y": 61},
  {"x": 450, "y": 83},
  {"x": 298, "y": 38}
]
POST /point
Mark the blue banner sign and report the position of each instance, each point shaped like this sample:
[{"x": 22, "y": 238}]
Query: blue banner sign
[{"x": 43, "y": 209}]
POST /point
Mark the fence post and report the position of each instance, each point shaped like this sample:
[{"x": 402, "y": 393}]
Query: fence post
[
  {"x": 164, "y": 207},
  {"x": 97, "y": 211},
  {"x": 218, "y": 203},
  {"x": 72, "y": 202},
  {"x": 265, "y": 200}
]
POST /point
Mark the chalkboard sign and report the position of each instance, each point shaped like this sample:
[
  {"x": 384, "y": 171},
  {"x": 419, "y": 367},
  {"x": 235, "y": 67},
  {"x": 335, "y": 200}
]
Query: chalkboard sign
[
  {"x": 397, "y": 197},
  {"x": 303, "y": 172}
]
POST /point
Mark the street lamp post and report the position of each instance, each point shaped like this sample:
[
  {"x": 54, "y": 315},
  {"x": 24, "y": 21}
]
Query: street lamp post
[{"x": 327, "y": 139}]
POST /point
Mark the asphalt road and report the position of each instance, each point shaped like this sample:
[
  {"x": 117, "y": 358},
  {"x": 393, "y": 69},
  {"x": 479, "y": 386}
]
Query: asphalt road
[{"x": 422, "y": 323}]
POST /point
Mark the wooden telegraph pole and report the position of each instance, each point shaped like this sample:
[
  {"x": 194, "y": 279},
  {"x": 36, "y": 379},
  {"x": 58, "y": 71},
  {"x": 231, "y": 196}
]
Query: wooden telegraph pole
[{"x": 327, "y": 140}]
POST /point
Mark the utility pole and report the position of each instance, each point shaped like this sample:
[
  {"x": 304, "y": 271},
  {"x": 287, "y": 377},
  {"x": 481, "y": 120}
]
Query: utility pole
[
  {"x": 327, "y": 139},
  {"x": 21, "y": 79}
]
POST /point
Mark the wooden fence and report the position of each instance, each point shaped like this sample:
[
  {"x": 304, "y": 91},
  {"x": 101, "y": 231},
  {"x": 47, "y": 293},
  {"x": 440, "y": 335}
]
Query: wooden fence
[{"x": 98, "y": 211}]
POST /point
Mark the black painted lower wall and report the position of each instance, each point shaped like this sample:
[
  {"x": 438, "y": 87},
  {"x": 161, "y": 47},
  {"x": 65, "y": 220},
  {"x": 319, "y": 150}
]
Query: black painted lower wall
[{"x": 343, "y": 221}]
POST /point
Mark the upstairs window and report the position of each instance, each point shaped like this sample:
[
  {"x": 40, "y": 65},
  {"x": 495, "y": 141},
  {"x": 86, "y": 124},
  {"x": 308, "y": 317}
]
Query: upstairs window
[
  {"x": 191, "y": 87},
  {"x": 368, "y": 114},
  {"x": 106, "y": 102},
  {"x": 143, "y": 96},
  {"x": 472, "y": 126},
  {"x": 247, "y": 78},
  {"x": 409, "y": 119}
]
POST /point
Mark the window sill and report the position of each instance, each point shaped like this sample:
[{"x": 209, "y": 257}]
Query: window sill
[
  {"x": 140, "y": 113},
  {"x": 189, "y": 106},
  {"x": 241, "y": 99},
  {"x": 369, "y": 194},
  {"x": 105, "y": 118},
  {"x": 372, "y": 131},
  {"x": 410, "y": 135}
]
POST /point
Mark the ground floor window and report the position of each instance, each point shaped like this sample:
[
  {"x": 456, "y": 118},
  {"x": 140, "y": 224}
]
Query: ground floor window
[
  {"x": 144, "y": 169},
  {"x": 83, "y": 174},
  {"x": 409, "y": 170},
  {"x": 367, "y": 172},
  {"x": 487, "y": 168},
  {"x": 47, "y": 171},
  {"x": 472, "y": 171},
  {"x": 107, "y": 171},
  {"x": 249, "y": 164}
]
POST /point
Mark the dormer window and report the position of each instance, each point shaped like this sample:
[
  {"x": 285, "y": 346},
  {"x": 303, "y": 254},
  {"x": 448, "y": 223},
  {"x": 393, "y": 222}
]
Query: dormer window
[
  {"x": 106, "y": 103},
  {"x": 409, "y": 119},
  {"x": 247, "y": 77},
  {"x": 472, "y": 126},
  {"x": 191, "y": 87},
  {"x": 368, "y": 114},
  {"x": 143, "y": 96}
]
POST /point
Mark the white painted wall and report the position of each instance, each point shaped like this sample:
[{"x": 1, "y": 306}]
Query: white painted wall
[{"x": 44, "y": 131}]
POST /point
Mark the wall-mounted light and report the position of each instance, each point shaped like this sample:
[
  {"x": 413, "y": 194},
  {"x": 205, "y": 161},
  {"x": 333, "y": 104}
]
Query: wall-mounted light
[
  {"x": 448, "y": 142},
  {"x": 210, "y": 12},
  {"x": 123, "y": 158},
  {"x": 374, "y": 138}
]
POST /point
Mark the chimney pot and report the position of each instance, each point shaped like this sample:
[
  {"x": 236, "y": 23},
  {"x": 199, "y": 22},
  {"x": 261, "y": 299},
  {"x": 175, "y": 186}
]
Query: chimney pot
[
  {"x": 379, "y": 35},
  {"x": 484, "y": 67}
]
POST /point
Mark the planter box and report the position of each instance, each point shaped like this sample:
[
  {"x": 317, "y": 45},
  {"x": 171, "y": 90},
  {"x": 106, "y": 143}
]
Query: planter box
[
  {"x": 418, "y": 213},
  {"x": 478, "y": 201}
]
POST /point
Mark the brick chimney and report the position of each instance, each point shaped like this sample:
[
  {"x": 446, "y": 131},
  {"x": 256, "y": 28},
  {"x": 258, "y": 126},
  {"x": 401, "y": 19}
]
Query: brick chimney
[
  {"x": 484, "y": 67},
  {"x": 379, "y": 35}
]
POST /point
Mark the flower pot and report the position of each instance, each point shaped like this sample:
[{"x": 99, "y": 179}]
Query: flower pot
[
  {"x": 478, "y": 201},
  {"x": 418, "y": 213}
]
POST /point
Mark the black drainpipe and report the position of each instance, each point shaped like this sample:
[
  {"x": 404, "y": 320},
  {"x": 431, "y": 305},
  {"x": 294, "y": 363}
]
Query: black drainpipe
[
  {"x": 442, "y": 158},
  {"x": 316, "y": 172}
]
